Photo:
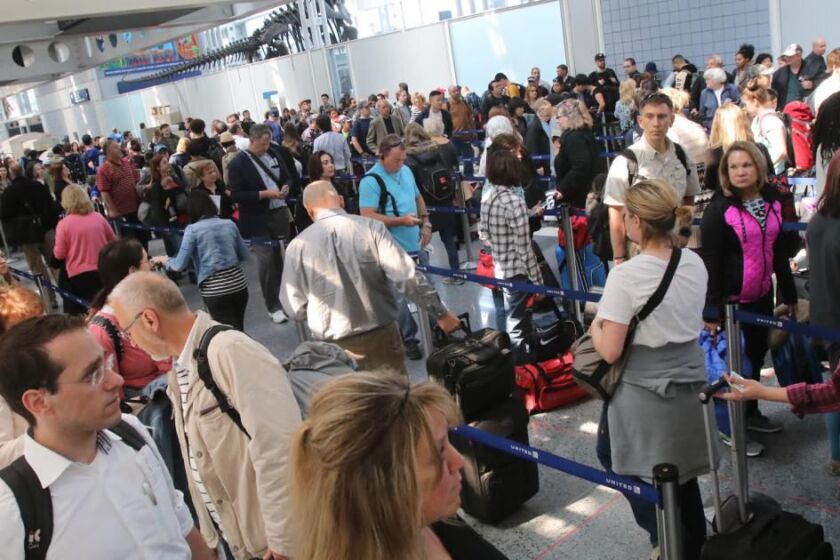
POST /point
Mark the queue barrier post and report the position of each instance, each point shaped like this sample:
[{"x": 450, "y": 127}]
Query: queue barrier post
[
  {"x": 668, "y": 518},
  {"x": 302, "y": 331},
  {"x": 5, "y": 243},
  {"x": 737, "y": 420},
  {"x": 571, "y": 258},
  {"x": 471, "y": 263},
  {"x": 41, "y": 284},
  {"x": 425, "y": 331}
]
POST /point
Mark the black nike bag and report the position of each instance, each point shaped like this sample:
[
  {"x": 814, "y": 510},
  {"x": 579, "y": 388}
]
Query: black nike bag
[{"x": 496, "y": 484}]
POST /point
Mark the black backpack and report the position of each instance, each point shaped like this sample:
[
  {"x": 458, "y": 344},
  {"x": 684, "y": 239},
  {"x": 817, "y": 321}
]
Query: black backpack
[
  {"x": 113, "y": 334},
  {"x": 384, "y": 195},
  {"x": 206, "y": 376},
  {"x": 434, "y": 179},
  {"x": 35, "y": 502}
]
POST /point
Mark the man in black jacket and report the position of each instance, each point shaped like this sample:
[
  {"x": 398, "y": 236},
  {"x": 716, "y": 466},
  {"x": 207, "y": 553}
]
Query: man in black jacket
[
  {"x": 814, "y": 64},
  {"x": 260, "y": 182},
  {"x": 537, "y": 137},
  {"x": 29, "y": 217},
  {"x": 493, "y": 96},
  {"x": 789, "y": 80},
  {"x": 436, "y": 111}
]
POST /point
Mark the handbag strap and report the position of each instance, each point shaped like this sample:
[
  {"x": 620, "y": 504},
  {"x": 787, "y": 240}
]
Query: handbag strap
[
  {"x": 262, "y": 165},
  {"x": 660, "y": 292}
]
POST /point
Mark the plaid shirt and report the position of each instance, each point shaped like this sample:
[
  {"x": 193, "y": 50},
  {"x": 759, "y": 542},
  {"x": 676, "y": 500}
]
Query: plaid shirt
[
  {"x": 504, "y": 220},
  {"x": 815, "y": 398}
]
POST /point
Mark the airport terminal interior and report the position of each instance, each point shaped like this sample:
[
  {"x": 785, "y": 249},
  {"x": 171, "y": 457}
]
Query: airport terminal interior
[{"x": 555, "y": 210}]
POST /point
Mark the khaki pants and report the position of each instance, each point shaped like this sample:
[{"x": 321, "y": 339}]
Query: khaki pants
[
  {"x": 378, "y": 349},
  {"x": 37, "y": 255}
]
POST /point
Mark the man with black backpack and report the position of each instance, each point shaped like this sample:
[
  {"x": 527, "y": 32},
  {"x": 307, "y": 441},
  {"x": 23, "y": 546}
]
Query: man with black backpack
[
  {"x": 234, "y": 412},
  {"x": 91, "y": 483},
  {"x": 389, "y": 193},
  {"x": 654, "y": 156}
]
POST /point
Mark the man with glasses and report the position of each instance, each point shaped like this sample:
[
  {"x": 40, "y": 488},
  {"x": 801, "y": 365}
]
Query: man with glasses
[
  {"x": 630, "y": 70},
  {"x": 389, "y": 193},
  {"x": 234, "y": 426},
  {"x": 656, "y": 157},
  {"x": 110, "y": 495}
]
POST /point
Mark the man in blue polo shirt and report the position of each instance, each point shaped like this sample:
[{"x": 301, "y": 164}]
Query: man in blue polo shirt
[{"x": 404, "y": 214}]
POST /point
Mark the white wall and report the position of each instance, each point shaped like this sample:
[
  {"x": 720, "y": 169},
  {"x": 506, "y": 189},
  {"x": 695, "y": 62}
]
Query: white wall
[
  {"x": 584, "y": 33},
  {"x": 800, "y": 24},
  {"x": 424, "y": 57},
  {"x": 419, "y": 57}
]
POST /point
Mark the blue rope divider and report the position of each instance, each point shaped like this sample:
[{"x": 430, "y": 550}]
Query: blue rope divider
[
  {"x": 806, "y": 329},
  {"x": 516, "y": 286},
  {"x": 626, "y": 486},
  {"x": 161, "y": 229},
  {"x": 50, "y": 286}
]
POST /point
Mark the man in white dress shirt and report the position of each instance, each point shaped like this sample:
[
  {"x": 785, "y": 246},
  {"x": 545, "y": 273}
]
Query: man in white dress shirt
[{"x": 109, "y": 500}]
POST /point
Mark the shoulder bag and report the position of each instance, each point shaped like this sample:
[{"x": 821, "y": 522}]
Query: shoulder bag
[{"x": 599, "y": 378}]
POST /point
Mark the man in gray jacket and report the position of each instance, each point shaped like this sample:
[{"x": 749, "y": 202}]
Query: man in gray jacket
[
  {"x": 383, "y": 125},
  {"x": 345, "y": 269}
]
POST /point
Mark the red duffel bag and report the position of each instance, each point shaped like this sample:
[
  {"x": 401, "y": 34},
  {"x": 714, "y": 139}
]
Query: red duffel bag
[{"x": 548, "y": 385}]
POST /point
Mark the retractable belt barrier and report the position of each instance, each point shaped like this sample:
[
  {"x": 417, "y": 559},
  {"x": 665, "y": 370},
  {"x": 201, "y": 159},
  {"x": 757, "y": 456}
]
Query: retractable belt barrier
[
  {"x": 163, "y": 229},
  {"x": 42, "y": 282},
  {"x": 624, "y": 485}
]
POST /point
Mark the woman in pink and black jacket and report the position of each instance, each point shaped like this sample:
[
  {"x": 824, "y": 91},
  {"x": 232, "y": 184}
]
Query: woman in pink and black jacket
[{"x": 742, "y": 239}]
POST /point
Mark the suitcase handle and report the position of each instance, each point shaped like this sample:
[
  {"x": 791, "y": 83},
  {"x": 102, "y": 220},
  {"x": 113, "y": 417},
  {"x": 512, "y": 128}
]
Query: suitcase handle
[
  {"x": 708, "y": 391},
  {"x": 442, "y": 339}
]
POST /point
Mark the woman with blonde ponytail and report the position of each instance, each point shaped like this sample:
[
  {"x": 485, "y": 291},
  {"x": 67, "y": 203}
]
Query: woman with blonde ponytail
[
  {"x": 654, "y": 416},
  {"x": 375, "y": 477}
]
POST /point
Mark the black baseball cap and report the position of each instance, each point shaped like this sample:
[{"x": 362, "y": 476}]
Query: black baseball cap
[{"x": 600, "y": 56}]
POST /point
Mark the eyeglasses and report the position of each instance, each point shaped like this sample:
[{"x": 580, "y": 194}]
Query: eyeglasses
[
  {"x": 94, "y": 378},
  {"x": 124, "y": 332}
]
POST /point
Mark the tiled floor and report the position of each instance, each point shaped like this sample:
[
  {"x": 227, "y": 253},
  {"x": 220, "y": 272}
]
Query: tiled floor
[{"x": 572, "y": 518}]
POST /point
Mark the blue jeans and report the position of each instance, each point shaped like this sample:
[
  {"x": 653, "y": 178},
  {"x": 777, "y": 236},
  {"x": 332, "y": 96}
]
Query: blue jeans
[
  {"x": 465, "y": 150},
  {"x": 501, "y": 314},
  {"x": 408, "y": 326},
  {"x": 516, "y": 320}
]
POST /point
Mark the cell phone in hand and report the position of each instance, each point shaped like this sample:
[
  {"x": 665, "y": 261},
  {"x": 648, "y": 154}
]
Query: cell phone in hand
[{"x": 738, "y": 378}]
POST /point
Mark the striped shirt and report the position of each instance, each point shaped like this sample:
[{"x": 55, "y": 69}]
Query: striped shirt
[
  {"x": 224, "y": 282},
  {"x": 183, "y": 376}
]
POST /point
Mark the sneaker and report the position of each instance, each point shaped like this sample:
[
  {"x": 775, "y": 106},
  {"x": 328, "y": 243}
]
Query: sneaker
[
  {"x": 760, "y": 423},
  {"x": 754, "y": 449},
  {"x": 278, "y": 317},
  {"x": 453, "y": 281},
  {"x": 655, "y": 554},
  {"x": 412, "y": 351}
]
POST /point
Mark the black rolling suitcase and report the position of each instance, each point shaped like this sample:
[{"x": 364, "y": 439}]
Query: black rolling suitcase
[
  {"x": 769, "y": 531},
  {"x": 477, "y": 370},
  {"x": 495, "y": 483}
]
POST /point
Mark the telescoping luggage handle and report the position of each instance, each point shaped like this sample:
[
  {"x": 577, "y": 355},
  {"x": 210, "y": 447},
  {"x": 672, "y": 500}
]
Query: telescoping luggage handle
[{"x": 732, "y": 512}]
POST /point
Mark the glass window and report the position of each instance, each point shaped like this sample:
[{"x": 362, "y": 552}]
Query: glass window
[{"x": 342, "y": 81}]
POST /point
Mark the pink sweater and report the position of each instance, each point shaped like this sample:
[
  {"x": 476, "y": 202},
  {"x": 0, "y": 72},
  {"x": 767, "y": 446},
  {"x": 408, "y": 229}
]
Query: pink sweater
[{"x": 78, "y": 240}]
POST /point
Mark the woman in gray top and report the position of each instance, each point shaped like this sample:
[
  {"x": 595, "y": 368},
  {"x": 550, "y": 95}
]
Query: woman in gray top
[{"x": 655, "y": 416}]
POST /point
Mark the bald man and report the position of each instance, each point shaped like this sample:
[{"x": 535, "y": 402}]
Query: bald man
[
  {"x": 814, "y": 65},
  {"x": 341, "y": 277},
  {"x": 237, "y": 452}
]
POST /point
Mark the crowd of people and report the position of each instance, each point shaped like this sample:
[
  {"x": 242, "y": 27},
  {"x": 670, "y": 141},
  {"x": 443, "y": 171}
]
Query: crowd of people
[{"x": 369, "y": 472}]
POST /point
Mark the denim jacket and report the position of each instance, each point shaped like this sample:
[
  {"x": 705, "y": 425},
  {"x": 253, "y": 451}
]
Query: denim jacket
[
  {"x": 709, "y": 104},
  {"x": 213, "y": 244}
]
